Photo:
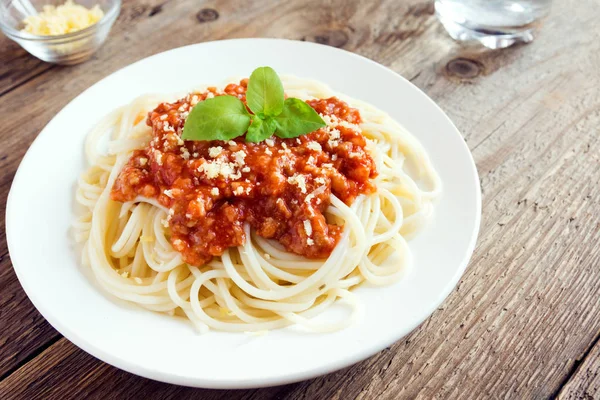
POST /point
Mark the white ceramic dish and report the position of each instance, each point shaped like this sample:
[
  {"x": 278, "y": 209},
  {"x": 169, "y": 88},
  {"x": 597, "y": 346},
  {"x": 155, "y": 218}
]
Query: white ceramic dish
[{"x": 40, "y": 204}]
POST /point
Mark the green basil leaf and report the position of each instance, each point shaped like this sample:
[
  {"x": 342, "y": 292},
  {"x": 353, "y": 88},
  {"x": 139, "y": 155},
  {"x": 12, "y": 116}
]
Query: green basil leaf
[
  {"x": 260, "y": 129},
  {"x": 264, "y": 95},
  {"x": 297, "y": 118},
  {"x": 219, "y": 118}
]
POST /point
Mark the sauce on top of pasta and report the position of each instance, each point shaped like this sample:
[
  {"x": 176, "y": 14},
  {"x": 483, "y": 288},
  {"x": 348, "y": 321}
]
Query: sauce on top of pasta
[{"x": 281, "y": 187}]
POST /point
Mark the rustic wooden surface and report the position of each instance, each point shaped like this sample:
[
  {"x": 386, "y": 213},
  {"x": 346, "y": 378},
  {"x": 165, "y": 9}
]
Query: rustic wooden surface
[
  {"x": 587, "y": 383},
  {"x": 524, "y": 321}
]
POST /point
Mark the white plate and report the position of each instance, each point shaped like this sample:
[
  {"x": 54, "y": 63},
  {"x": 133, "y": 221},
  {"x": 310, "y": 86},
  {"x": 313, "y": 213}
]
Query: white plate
[{"x": 39, "y": 213}]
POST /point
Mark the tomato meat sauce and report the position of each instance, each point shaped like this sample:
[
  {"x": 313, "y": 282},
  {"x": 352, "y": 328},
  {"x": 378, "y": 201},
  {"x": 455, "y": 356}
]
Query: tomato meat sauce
[{"x": 281, "y": 187}]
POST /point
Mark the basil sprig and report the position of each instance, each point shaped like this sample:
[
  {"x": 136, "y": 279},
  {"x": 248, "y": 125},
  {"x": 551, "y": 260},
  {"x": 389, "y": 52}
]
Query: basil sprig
[
  {"x": 219, "y": 118},
  {"x": 265, "y": 93},
  {"x": 226, "y": 117}
]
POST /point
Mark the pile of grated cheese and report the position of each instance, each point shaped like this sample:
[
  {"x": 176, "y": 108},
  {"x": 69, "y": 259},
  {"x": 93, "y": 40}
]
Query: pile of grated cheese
[{"x": 66, "y": 18}]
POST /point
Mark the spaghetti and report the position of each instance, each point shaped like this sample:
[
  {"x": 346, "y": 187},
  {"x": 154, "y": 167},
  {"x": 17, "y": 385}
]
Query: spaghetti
[{"x": 265, "y": 278}]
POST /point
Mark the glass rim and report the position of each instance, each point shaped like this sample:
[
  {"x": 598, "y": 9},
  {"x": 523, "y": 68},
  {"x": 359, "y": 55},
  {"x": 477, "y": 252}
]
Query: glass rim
[{"x": 108, "y": 18}]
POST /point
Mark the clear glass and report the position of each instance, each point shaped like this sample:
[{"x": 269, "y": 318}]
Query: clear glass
[
  {"x": 494, "y": 23},
  {"x": 68, "y": 49}
]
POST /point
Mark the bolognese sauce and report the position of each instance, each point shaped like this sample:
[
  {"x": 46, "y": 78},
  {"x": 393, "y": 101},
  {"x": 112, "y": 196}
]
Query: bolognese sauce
[{"x": 281, "y": 187}]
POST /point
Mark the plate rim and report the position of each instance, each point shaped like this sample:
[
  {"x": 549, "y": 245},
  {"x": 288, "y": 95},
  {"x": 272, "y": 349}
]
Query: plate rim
[{"x": 173, "y": 378}]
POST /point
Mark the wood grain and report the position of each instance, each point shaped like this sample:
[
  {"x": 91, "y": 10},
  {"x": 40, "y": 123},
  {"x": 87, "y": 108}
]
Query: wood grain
[
  {"x": 17, "y": 65},
  {"x": 523, "y": 321},
  {"x": 585, "y": 383}
]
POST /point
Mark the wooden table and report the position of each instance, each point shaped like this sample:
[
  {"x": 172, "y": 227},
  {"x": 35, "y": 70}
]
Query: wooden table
[{"x": 524, "y": 321}]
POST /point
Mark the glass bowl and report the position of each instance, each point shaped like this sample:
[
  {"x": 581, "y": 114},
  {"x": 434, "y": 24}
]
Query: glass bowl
[{"x": 67, "y": 49}]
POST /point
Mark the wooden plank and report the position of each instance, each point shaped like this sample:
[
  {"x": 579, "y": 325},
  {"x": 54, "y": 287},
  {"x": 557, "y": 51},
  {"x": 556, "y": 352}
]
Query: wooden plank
[
  {"x": 24, "y": 330},
  {"x": 527, "y": 307},
  {"x": 57, "y": 379},
  {"x": 585, "y": 383},
  {"x": 17, "y": 65}
]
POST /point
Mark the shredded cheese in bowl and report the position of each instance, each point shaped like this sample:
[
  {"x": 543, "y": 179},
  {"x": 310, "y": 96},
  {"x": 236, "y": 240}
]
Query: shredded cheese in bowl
[{"x": 66, "y": 18}]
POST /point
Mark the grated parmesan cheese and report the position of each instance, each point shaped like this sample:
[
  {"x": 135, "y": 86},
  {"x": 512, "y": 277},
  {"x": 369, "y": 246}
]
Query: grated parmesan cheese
[
  {"x": 314, "y": 146},
  {"x": 213, "y": 169},
  {"x": 307, "y": 227},
  {"x": 167, "y": 127},
  {"x": 298, "y": 180},
  {"x": 214, "y": 191},
  {"x": 65, "y": 18},
  {"x": 185, "y": 153},
  {"x": 334, "y": 136},
  {"x": 214, "y": 152},
  {"x": 240, "y": 157},
  {"x": 332, "y": 121}
]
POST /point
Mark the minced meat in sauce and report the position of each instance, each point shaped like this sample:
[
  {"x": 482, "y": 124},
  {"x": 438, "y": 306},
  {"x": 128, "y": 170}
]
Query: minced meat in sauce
[{"x": 281, "y": 187}]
